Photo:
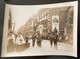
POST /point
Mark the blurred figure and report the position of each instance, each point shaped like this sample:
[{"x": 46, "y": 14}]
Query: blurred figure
[
  {"x": 38, "y": 39},
  {"x": 11, "y": 43},
  {"x": 33, "y": 40},
  {"x": 55, "y": 41},
  {"x": 55, "y": 33},
  {"x": 50, "y": 38},
  {"x": 20, "y": 40},
  {"x": 26, "y": 37}
]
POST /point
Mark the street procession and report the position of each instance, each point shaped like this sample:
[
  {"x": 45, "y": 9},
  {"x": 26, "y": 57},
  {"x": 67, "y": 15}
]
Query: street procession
[{"x": 47, "y": 25}]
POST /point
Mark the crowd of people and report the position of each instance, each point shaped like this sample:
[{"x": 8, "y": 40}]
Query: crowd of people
[{"x": 21, "y": 39}]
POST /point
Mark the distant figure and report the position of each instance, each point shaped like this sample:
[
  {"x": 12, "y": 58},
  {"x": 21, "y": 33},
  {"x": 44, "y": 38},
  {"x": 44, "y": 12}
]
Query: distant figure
[
  {"x": 59, "y": 37},
  {"x": 11, "y": 37},
  {"x": 11, "y": 43},
  {"x": 38, "y": 39},
  {"x": 55, "y": 33},
  {"x": 51, "y": 39},
  {"x": 26, "y": 38},
  {"x": 33, "y": 40},
  {"x": 20, "y": 40},
  {"x": 55, "y": 41}
]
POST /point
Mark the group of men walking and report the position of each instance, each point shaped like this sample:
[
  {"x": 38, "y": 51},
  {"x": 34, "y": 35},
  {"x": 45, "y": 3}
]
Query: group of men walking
[
  {"x": 36, "y": 38},
  {"x": 53, "y": 37}
]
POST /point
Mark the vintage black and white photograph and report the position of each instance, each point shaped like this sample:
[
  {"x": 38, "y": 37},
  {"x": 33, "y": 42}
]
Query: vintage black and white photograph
[{"x": 40, "y": 29}]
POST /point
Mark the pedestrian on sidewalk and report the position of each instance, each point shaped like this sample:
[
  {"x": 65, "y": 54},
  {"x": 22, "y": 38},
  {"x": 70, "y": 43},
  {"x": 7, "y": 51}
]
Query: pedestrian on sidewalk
[
  {"x": 55, "y": 40},
  {"x": 39, "y": 39},
  {"x": 55, "y": 37},
  {"x": 33, "y": 40},
  {"x": 51, "y": 39}
]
